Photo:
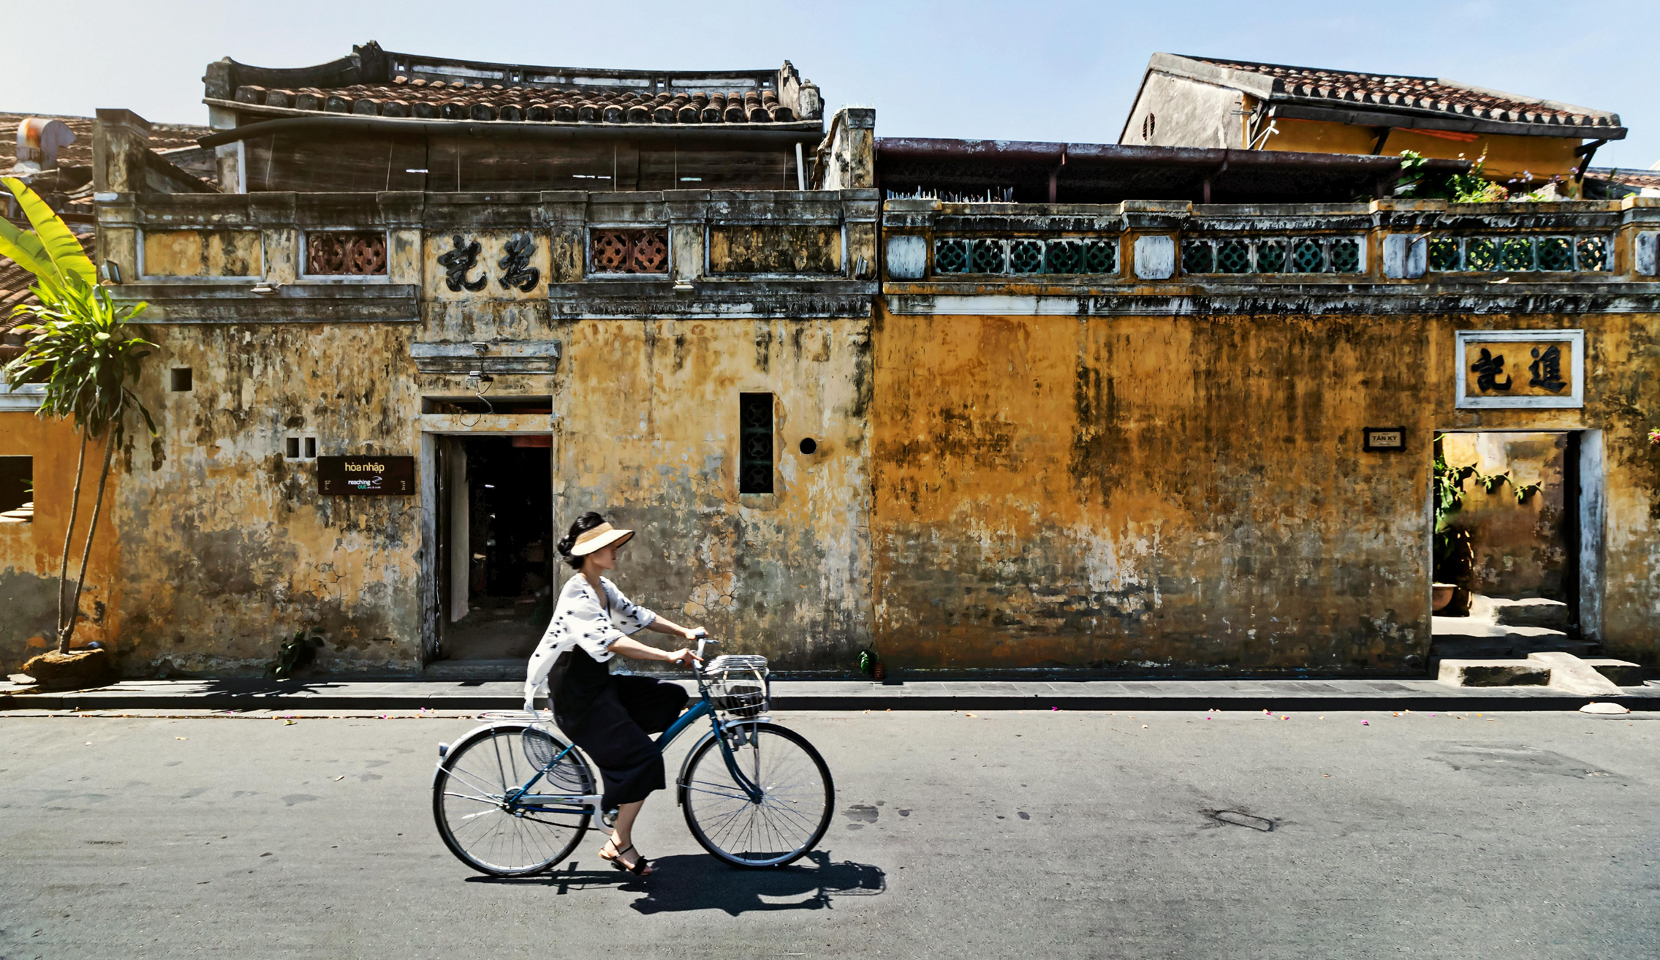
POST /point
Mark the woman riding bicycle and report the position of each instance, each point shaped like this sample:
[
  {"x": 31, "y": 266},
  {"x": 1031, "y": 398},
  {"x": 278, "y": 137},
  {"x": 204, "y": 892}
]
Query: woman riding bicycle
[{"x": 608, "y": 716}]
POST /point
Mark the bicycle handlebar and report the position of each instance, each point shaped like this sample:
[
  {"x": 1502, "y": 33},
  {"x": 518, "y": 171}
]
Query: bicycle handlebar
[{"x": 703, "y": 637}]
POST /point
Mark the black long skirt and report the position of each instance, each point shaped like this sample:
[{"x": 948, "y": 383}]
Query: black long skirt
[{"x": 614, "y": 730}]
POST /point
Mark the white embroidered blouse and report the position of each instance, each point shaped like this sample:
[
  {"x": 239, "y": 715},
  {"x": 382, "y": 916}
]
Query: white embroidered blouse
[{"x": 583, "y": 620}]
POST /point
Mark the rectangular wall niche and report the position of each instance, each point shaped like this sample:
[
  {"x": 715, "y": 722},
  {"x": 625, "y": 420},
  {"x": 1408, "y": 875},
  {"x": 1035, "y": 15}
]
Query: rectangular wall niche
[
  {"x": 755, "y": 443},
  {"x": 1520, "y": 369}
]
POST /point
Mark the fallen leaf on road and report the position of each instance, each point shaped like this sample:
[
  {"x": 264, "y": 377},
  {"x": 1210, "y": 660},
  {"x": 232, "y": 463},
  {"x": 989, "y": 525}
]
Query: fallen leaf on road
[
  {"x": 339, "y": 778},
  {"x": 181, "y": 738},
  {"x": 1365, "y": 723},
  {"x": 1144, "y": 726}
]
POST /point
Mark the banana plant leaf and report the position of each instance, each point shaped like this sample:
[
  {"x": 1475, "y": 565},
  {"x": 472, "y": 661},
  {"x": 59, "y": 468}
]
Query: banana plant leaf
[{"x": 69, "y": 266}]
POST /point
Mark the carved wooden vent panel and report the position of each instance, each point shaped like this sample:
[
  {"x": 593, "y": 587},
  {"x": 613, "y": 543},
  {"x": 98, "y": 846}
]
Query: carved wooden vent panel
[
  {"x": 336, "y": 253},
  {"x": 1519, "y": 254},
  {"x": 629, "y": 251},
  {"x": 1273, "y": 255}
]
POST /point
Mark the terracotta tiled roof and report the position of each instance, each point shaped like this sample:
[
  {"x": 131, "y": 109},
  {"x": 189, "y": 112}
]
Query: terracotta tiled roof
[
  {"x": 163, "y": 136},
  {"x": 1640, "y": 179},
  {"x": 376, "y": 82},
  {"x": 1392, "y": 92},
  {"x": 441, "y": 100}
]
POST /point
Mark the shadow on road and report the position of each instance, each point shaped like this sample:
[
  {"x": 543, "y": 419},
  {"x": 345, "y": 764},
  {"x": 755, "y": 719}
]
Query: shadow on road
[
  {"x": 686, "y": 883},
  {"x": 699, "y": 882}
]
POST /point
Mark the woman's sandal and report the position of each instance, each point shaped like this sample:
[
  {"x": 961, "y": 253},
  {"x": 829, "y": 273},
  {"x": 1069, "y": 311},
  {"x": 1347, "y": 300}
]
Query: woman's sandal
[{"x": 641, "y": 867}]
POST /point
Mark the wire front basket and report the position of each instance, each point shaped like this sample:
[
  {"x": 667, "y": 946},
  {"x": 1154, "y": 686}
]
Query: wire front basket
[{"x": 738, "y": 686}]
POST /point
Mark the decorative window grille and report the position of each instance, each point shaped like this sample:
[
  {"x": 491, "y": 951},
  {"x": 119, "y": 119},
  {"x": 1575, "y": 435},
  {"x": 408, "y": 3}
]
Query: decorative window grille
[
  {"x": 340, "y": 253},
  {"x": 1518, "y": 254},
  {"x": 1272, "y": 255},
  {"x": 628, "y": 251},
  {"x": 1027, "y": 255},
  {"x": 755, "y": 443}
]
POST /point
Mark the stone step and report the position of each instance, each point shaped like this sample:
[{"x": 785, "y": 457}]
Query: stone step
[
  {"x": 1530, "y": 612},
  {"x": 1493, "y": 673},
  {"x": 1464, "y": 640},
  {"x": 1622, "y": 673},
  {"x": 1552, "y": 668}
]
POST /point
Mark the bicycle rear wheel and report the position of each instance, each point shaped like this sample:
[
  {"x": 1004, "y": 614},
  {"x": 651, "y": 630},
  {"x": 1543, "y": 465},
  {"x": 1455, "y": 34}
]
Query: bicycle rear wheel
[
  {"x": 797, "y": 797},
  {"x": 469, "y": 801}
]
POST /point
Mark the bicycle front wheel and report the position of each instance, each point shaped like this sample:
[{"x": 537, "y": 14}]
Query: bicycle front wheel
[
  {"x": 792, "y": 813},
  {"x": 486, "y": 831}
]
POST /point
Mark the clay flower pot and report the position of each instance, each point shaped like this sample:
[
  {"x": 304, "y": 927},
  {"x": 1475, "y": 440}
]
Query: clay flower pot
[{"x": 1441, "y": 594}]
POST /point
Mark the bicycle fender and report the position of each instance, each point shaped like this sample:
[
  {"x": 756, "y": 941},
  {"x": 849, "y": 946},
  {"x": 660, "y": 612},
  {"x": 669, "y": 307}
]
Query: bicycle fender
[
  {"x": 680, "y": 780},
  {"x": 445, "y": 748}
]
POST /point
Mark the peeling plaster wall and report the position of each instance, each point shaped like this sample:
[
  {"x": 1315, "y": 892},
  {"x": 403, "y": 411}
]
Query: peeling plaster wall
[
  {"x": 31, "y": 554},
  {"x": 649, "y": 436},
  {"x": 1190, "y": 492},
  {"x": 226, "y": 545}
]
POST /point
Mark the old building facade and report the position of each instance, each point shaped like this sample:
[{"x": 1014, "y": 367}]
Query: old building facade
[{"x": 1029, "y": 407}]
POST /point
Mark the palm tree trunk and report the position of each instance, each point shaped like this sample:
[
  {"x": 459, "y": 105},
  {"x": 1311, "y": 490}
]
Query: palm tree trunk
[
  {"x": 68, "y": 538},
  {"x": 91, "y": 528}
]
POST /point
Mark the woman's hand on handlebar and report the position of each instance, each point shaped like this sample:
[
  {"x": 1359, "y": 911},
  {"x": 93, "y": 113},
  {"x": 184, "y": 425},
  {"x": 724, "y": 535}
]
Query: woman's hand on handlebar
[{"x": 683, "y": 657}]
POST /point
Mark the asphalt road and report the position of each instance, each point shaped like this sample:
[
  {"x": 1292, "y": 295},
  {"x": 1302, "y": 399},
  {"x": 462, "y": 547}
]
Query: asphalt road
[{"x": 1005, "y": 835}]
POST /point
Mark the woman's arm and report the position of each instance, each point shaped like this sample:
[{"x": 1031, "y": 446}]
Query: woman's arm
[
  {"x": 634, "y": 649},
  {"x": 671, "y": 628}
]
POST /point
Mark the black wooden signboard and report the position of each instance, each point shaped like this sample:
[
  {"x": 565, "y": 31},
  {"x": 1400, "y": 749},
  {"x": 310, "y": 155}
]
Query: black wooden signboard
[
  {"x": 1383, "y": 439},
  {"x": 366, "y": 476}
]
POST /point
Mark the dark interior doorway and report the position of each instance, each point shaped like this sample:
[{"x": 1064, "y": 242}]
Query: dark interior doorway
[{"x": 495, "y": 545}]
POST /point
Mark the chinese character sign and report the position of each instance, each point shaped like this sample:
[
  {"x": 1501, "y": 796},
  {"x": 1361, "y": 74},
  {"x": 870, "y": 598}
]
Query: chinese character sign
[{"x": 1521, "y": 368}]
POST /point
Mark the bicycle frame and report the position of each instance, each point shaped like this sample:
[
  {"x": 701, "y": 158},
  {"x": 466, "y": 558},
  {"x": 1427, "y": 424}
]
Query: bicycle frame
[{"x": 520, "y": 800}]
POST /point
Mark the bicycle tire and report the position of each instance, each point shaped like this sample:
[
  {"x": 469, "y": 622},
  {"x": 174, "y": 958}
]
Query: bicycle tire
[
  {"x": 484, "y": 849},
  {"x": 709, "y": 789}
]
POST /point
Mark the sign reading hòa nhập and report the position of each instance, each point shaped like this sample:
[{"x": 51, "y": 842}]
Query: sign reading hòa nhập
[{"x": 366, "y": 476}]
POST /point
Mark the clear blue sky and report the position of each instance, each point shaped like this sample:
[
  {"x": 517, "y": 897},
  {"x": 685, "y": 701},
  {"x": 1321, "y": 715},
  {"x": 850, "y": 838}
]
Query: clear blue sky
[{"x": 1033, "y": 71}]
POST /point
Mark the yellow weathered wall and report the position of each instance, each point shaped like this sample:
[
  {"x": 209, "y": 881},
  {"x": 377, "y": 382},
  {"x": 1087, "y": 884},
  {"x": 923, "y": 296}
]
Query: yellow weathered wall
[
  {"x": 1190, "y": 492},
  {"x": 203, "y": 253},
  {"x": 649, "y": 436},
  {"x": 226, "y": 546},
  {"x": 1507, "y": 156},
  {"x": 31, "y": 554}
]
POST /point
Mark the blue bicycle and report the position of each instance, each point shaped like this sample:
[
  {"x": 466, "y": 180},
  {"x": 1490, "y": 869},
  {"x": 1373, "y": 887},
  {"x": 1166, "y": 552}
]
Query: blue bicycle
[{"x": 512, "y": 799}]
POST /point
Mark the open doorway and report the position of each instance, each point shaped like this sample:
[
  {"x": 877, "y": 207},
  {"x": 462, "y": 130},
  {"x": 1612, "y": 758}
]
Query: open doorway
[
  {"x": 495, "y": 545},
  {"x": 1509, "y": 544}
]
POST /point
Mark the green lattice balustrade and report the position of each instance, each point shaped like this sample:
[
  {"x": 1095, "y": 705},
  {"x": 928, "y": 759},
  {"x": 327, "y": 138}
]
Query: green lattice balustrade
[
  {"x": 1063, "y": 256},
  {"x": 951, "y": 256},
  {"x": 1556, "y": 253},
  {"x": 1233, "y": 256},
  {"x": 1516, "y": 253},
  {"x": 1271, "y": 256},
  {"x": 1025, "y": 256},
  {"x": 987, "y": 256},
  {"x": 1198, "y": 256},
  {"x": 1345, "y": 255},
  {"x": 1307, "y": 257}
]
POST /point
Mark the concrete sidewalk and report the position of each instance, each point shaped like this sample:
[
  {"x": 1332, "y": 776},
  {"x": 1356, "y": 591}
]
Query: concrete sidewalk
[{"x": 838, "y": 695}]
